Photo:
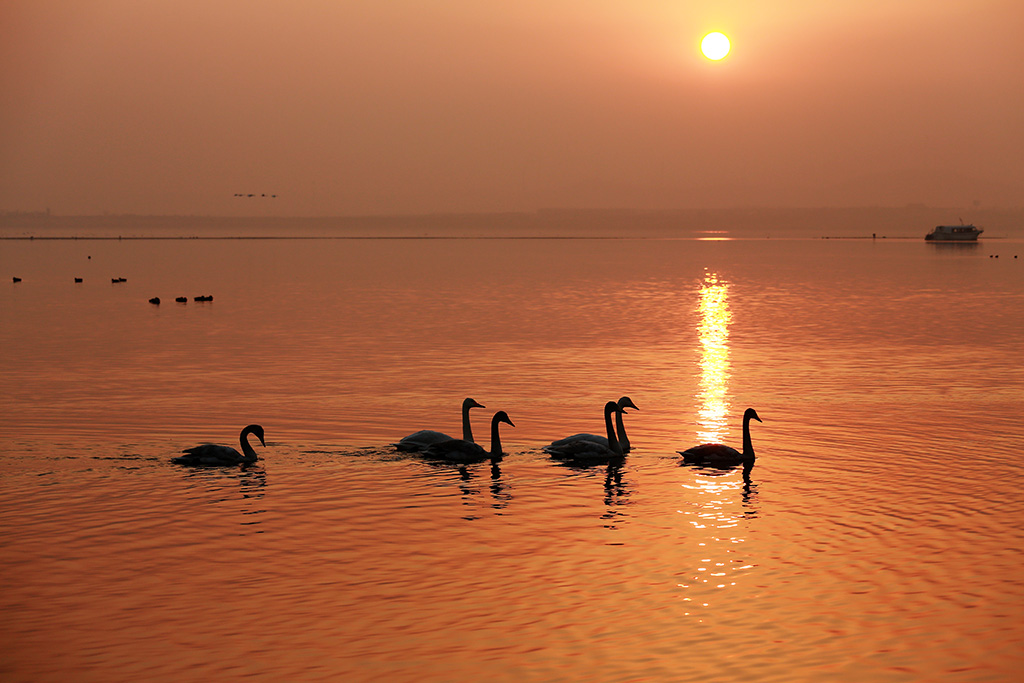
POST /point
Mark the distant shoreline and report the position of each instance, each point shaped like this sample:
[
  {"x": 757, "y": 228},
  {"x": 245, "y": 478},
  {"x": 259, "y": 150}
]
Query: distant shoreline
[{"x": 911, "y": 222}]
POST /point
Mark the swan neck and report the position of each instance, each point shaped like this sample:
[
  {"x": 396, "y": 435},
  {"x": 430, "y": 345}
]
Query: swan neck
[
  {"x": 467, "y": 430},
  {"x": 613, "y": 443},
  {"x": 620, "y": 429},
  {"x": 247, "y": 450},
  {"x": 748, "y": 447},
  {"x": 495, "y": 439}
]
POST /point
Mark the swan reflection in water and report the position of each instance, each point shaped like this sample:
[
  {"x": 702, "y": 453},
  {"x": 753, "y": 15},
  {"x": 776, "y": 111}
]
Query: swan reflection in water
[
  {"x": 214, "y": 484},
  {"x": 616, "y": 496},
  {"x": 616, "y": 492},
  {"x": 471, "y": 483}
]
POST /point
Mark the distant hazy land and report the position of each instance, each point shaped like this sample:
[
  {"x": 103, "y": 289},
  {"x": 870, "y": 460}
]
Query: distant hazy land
[{"x": 906, "y": 222}]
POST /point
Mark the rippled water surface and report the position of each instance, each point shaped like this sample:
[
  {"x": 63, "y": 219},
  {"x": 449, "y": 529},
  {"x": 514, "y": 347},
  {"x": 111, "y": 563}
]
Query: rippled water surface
[{"x": 879, "y": 537}]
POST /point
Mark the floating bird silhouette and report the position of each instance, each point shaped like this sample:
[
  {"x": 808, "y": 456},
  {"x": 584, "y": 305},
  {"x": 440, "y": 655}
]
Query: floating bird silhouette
[
  {"x": 587, "y": 451},
  {"x": 462, "y": 450},
  {"x": 182, "y": 299},
  {"x": 418, "y": 441},
  {"x": 724, "y": 457},
  {"x": 155, "y": 300},
  {"x": 212, "y": 454},
  {"x": 78, "y": 279},
  {"x": 620, "y": 429}
]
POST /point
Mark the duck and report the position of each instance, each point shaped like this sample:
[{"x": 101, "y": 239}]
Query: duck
[
  {"x": 721, "y": 456},
  {"x": 418, "y": 441},
  {"x": 587, "y": 451},
  {"x": 620, "y": 429},
  {"x": 462, "y": 450},
  {"x": 211, "y": 454}
]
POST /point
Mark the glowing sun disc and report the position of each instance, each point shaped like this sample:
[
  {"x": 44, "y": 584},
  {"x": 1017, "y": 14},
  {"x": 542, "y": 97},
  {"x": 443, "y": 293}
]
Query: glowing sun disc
[{"x": 715, "y": 46}]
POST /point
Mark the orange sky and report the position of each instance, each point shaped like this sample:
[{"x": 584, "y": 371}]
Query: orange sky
[{"x": 406, "y": 106}]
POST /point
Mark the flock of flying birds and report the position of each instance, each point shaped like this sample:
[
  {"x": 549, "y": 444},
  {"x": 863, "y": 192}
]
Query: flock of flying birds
[{"x": 582, "y": 449}]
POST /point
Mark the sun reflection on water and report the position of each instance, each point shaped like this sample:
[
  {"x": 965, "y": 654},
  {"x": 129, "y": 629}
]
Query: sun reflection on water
[{"x": 715, "y": 317}]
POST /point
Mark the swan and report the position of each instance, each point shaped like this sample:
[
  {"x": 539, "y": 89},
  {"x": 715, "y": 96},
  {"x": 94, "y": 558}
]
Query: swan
[
  {"x": 462, "y": 450},
  {"x": 584, "y": 450},
  {"x": 620, "y": 429},
  {"x": 722, "y": 456},
  {"x": 418, "y": 441},
  {"x": 210, "y": 454}
]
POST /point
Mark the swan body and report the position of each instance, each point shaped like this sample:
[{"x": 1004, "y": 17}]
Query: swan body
[
  {"x": 584, "y": 450},
  {"x": 722, "y": 456},
  {"x": 620, "y": 429},
  {"x": 419, "y": 441},
  {"x": 212, "y": 454},
  {"x": 463, "y": 450}
]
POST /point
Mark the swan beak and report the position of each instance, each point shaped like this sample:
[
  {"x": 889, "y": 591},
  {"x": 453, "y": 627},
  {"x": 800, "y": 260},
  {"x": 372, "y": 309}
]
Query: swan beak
[
  {"x": 756, "y": 418},
  {"x": 510, "y": 422}
]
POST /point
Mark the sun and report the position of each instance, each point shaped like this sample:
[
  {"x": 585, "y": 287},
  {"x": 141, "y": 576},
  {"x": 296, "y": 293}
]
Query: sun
[{"x": 715, "y": 46}]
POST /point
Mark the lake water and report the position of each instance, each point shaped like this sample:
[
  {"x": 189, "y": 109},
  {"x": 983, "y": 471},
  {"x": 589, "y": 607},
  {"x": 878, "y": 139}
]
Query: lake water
[{"x": 880, "y": 537}]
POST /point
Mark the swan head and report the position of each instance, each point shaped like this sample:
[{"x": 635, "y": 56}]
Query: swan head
[
  {"x": 502, "y": 416},
  {"x": 257, "y": 430},
  {"x": 470, "y": 403},
  {"x": 751, "y": 414},
  {"x": 626, "y": 402},
  {"x": 612, "y": 407}
]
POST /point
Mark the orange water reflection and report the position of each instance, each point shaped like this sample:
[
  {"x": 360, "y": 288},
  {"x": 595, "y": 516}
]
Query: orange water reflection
[{"x": 715, "y": 317}]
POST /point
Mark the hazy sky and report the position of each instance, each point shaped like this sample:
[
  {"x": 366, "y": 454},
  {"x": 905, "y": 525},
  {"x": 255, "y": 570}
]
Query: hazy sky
[{"x": 398, "y": 106}]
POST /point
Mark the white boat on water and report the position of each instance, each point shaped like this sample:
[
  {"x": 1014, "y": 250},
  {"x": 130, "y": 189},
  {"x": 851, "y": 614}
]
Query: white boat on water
[{"x": 954, "y": 233}]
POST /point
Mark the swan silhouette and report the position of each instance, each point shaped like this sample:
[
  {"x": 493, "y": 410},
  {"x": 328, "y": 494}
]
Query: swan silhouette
[
  {"x": 585, "y": 450},
  {"x": 620, "y": 429},
  {"x": 462, "y": 450},
  {"x": 722, "y": 456},
  {"x": 211, "y": 454},
  {"x": 418, "y": 441}
]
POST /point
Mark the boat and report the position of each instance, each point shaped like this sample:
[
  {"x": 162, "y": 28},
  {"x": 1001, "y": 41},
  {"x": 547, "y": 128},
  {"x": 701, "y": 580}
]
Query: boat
[{"x": 954, "y": 233}]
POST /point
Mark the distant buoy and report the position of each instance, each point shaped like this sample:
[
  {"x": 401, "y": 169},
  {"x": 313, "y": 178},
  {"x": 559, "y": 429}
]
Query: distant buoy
[{"x": 155, "y": 300}]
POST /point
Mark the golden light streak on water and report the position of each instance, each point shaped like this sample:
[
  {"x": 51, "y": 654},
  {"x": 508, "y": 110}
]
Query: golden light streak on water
[{"x": 715, "y": 317}]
